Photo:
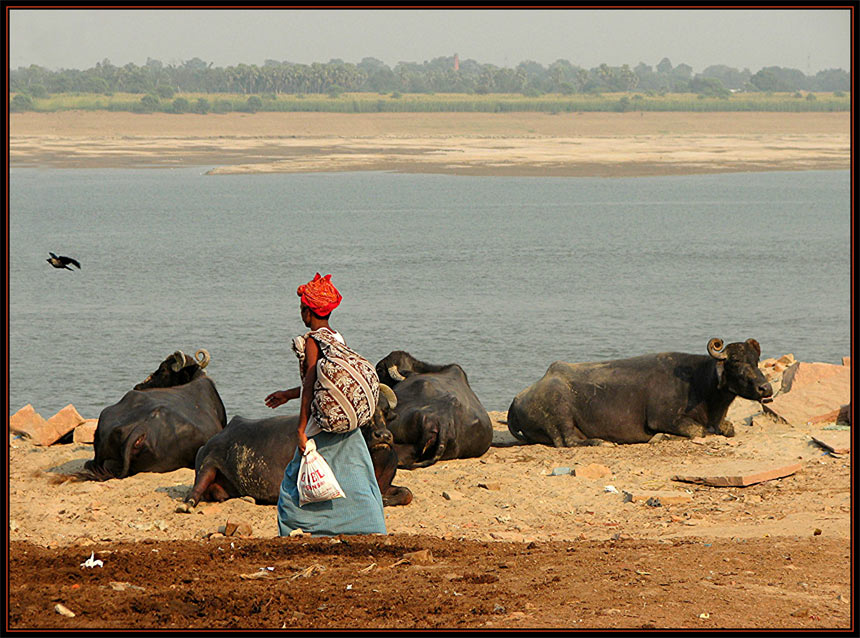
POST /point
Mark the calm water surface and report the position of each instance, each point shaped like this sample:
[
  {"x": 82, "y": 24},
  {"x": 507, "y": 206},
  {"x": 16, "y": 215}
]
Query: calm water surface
[{"x": 502, "y": 275}]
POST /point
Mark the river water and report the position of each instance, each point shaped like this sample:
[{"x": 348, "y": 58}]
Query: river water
[{"x": 502, "y": 275}]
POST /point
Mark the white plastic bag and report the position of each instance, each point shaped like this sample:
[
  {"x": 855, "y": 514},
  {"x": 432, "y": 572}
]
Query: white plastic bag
[{"x": 316, "y": 480}]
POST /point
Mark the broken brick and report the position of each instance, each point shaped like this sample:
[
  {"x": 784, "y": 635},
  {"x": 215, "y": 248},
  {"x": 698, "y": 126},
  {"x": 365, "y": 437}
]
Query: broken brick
[{"x": 591, "y": 471}]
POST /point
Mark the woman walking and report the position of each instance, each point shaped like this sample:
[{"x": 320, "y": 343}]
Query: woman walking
[{"x": 331, "y": 418}]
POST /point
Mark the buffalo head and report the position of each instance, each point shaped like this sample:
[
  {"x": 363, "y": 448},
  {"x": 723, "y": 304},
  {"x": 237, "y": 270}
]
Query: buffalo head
[
  {"x": 399, "y": 365},
  {"x": 376, "y": 433},
  {"x": 738, "y": 371},
  {"x": 380, "y": 444},
  {"x": 395, "y": 367},
  {"x": 177, "y": 369}
]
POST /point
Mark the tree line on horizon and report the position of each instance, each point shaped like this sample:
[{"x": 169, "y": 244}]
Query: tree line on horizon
[{"x": 441, "y": 75}]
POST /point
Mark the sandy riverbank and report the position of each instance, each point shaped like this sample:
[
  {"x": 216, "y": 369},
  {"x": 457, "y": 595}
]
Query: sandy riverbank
[
  {"x": 508, "y": 539},
  {"x": 539, "y": 144}
]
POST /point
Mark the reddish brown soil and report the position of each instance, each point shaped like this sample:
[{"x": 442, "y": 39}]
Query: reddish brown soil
[{"x": 358, "y": 583}]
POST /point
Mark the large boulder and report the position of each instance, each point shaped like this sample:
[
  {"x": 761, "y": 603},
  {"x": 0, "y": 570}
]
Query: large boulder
[{"x": 813, "y": 393}]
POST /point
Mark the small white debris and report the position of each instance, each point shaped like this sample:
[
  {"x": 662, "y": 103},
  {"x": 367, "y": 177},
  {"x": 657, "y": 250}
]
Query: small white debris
[
  {"x": 92, "y": 562},
  {"x": 610, "y": 488},
  {"x": 63, "y": 610}
]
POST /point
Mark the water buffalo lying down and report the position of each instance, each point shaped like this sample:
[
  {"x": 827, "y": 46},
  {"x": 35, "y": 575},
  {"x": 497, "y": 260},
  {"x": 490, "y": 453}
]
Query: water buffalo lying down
[
  {"x": 630, "y": 400},
  {"x": 438, "y": 415},
  {"x": 248, "y": 458},
  {"x": 160, "y": 424}
]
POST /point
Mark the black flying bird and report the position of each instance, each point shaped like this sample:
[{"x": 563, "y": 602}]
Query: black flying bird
[{"x": 62, "y": 262}]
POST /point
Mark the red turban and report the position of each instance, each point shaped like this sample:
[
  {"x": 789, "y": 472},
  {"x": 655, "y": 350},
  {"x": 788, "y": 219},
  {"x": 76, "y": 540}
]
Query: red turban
[{"x": 320, "y": 295}]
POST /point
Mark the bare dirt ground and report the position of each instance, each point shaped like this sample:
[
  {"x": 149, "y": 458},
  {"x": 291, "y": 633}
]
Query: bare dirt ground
[
  {"x": 509, "y": 544},
  {"x": 538, "y": 144}
]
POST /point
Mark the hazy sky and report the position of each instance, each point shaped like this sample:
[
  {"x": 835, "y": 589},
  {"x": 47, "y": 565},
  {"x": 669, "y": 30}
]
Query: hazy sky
[{"x": 805, "y": 39}]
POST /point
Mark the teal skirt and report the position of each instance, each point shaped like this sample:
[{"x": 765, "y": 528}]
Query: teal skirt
[{"x": 359, "y": 513}]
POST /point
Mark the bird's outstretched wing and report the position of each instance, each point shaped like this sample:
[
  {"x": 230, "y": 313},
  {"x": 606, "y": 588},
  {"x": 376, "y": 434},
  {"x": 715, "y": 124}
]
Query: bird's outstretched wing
[
  {"x": 53, "y": 255},
  {"x": 69, "y": 260}
]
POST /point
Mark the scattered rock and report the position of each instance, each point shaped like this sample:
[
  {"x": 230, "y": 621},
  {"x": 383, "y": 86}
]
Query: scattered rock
[
  {"x": 122, "y": 586},
  {"x": 309, "y": 571},
  {"x": 184, "y": 508},
  {"x": 490, "y": 486},
  {"x": 451, "y": 495},
  {"x": 591, "y": 471},
  {"x": 656, "y": 498},
  {"x": 64, "y": 611},
  {"x": 422, "y": 557},
  {"x": 560, "y": 471},
  {"x": 233, "y": 528}
]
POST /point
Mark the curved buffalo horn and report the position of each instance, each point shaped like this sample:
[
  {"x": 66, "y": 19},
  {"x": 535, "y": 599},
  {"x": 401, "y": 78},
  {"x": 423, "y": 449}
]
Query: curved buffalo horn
[
  {"x": 395, "y": 374},
  {"x": 179, "y": 361},
  {"x": 202, "y": 357},
  {"x": 715, "y": 347},
  {"x": 389, "y": 394}
]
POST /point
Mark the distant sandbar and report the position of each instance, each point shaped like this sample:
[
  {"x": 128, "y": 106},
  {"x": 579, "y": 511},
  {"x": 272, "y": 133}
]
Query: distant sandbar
[{"x": 513, "y": 144}]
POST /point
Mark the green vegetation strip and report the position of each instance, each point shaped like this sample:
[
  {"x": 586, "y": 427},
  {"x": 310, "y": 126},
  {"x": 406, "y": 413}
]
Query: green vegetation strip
[{"x": 430, "y": 103}]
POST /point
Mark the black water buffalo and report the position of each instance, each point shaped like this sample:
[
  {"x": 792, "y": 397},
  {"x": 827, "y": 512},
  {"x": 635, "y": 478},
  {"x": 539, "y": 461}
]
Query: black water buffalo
[
  {"x": 160, "y": 424},
  {"x": 438, "y": 415},
  {"x": 249, "y": 456},
  {"x": 630, "y": 400}
]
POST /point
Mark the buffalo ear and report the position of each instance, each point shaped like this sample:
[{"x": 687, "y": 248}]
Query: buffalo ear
[{"x": 755, "y": 346}]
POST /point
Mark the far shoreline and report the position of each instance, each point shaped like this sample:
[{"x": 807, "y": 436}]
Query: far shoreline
[{"x": 474, "y": 144}]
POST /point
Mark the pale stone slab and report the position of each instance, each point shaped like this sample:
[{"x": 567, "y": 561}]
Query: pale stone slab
[
  {"x": 836, "y": 442},
  {"x": 813, "y": 401},
  {"x": 86, "y": 431},
  {"x": 740, "y": 475},
  {"x": 804, "y": 373}
]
